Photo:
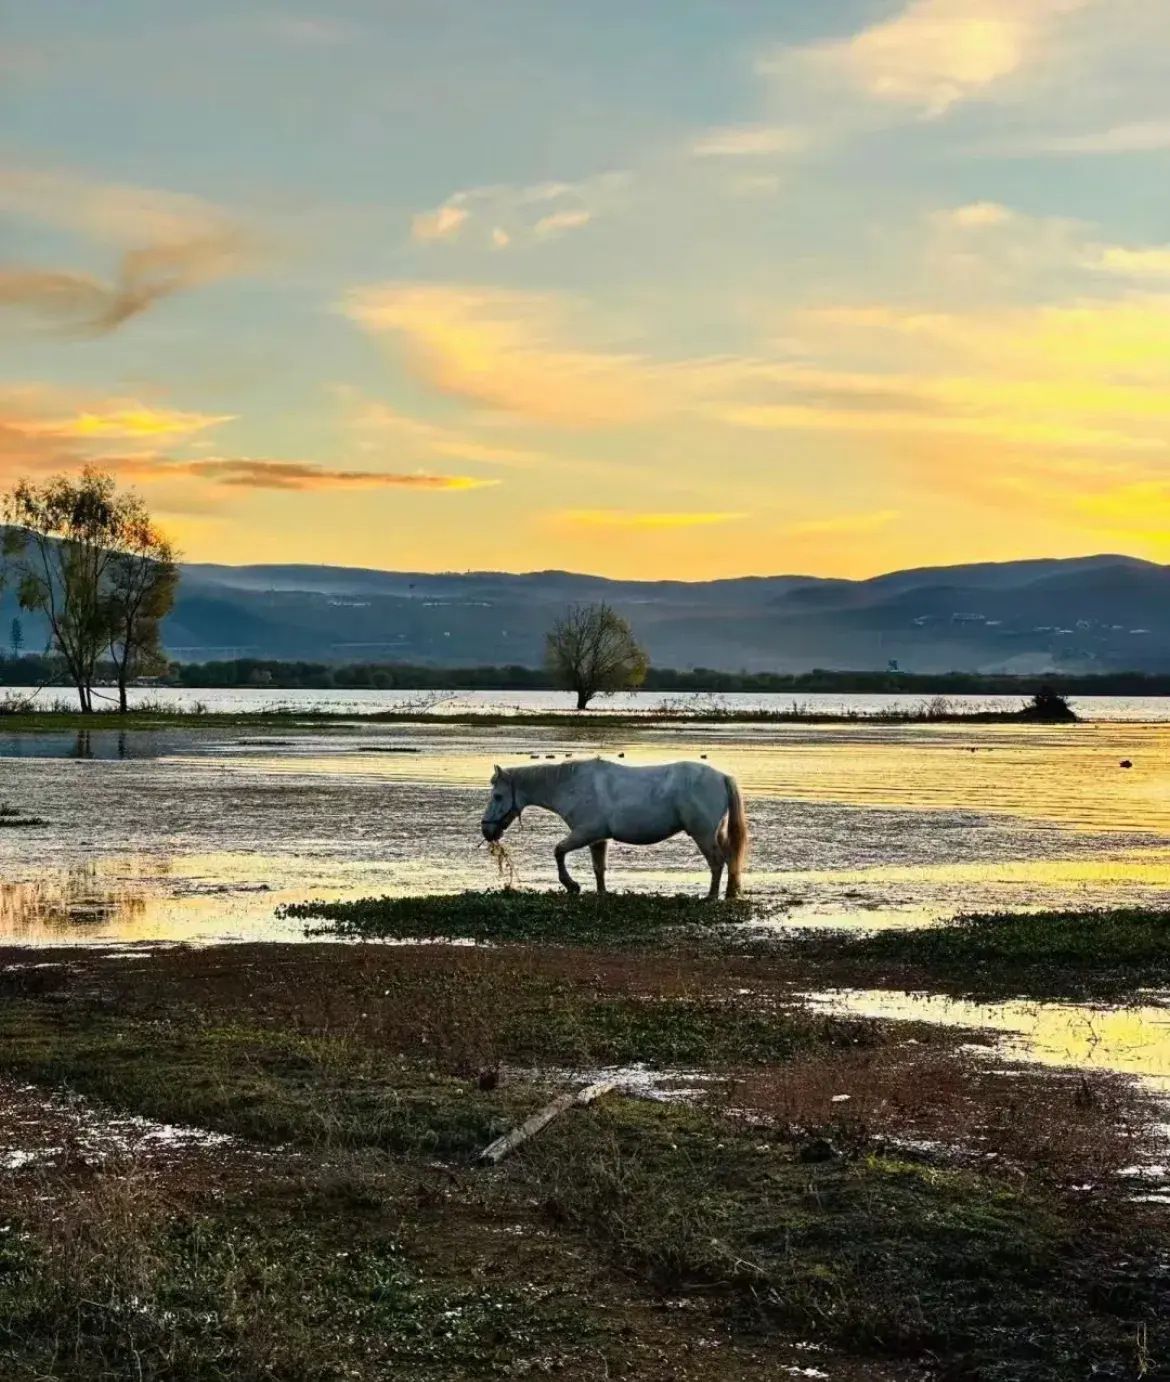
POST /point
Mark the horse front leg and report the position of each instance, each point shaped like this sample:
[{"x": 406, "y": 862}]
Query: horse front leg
[
  {"x": 599, "y": 851},
  {"x": 575, "y": 839}
]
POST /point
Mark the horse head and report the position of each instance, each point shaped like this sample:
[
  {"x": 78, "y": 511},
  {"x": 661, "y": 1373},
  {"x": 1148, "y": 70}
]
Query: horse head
[{"x": 502, "y": 808}]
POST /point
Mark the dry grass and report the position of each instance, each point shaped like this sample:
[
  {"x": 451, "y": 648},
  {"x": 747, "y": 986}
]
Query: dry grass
[{"x": 956, "y": 1109}]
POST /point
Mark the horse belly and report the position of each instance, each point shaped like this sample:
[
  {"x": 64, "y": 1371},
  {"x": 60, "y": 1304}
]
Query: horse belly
[
  {"x": 645, "y": 825},
  {"x": 645, "y": 835}
]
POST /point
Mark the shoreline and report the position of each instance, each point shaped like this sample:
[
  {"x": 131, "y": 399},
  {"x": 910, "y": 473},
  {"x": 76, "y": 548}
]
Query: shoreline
[{"x": 45, "y": 721}]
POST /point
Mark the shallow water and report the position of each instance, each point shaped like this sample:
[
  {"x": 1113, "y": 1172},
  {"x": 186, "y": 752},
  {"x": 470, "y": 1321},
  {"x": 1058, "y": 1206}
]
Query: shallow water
[
  {"x": 200, "y": 834},
  {"x": 1129, "y": 1041}
]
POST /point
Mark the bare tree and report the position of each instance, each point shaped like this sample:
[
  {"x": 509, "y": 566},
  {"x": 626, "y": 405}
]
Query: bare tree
[
  {"x": 142, "y": 577},
  {"x": 593, "y": 651},
  {"x": 60, "y": 540}
]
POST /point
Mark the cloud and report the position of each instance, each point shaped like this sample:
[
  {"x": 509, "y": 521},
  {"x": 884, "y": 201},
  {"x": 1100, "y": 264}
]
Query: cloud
[
  {"x": 936, "y": 53},
  {"x": 975, "y": 216},
  {"x": 559, "y": 221},
  {"x": 379, "y": 427},
  {"x": 501, "y": 349},
  {"x": 750, "y": 141},
  {"x": 628, "y": 518},
  {"x": 1150, "y": 262},
  {"x": 444, "y": 223},
  {"x": 172, "y": 243},
  {"x": 41, "y": 433},
  {"x": 124, "y": 422},
  {"x": 502, "y": 215},
  {"x": 1139, "y": 137},
  {"x": 245, "y": 473}
]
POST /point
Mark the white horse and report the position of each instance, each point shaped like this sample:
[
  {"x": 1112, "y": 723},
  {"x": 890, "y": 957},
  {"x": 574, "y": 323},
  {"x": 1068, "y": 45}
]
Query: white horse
[{"x": 602, "y": 801}]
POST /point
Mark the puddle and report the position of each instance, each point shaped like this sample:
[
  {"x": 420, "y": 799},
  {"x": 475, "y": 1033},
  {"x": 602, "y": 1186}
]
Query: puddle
[
  {"x": 39, "y": 1129},
  {"x": 1128, "y": 1041}
]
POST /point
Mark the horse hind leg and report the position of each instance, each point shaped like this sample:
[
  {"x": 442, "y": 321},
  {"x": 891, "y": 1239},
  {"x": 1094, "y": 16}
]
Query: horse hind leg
[
  {"x": 599, "y": 851},
  {"x": 710, "y": 850},
  {"x": 723, "y": 844}
]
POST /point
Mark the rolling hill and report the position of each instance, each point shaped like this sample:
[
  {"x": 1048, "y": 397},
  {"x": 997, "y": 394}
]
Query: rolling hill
[
  {"x": 1085, "y": 614},
  {"x": 1100, "y": 613}
]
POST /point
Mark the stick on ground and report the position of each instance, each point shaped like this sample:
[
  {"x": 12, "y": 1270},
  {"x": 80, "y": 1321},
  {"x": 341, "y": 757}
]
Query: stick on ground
[{"x": 500, "y": 1148}]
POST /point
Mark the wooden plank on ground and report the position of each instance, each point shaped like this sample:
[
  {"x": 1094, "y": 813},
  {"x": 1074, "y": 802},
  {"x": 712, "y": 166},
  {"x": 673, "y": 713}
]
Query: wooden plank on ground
[{"x": 500, "y": 1148}]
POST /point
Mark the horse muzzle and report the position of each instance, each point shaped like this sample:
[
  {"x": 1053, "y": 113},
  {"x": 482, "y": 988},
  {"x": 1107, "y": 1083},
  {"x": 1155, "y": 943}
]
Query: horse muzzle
[{"x": 492, "y": 830}]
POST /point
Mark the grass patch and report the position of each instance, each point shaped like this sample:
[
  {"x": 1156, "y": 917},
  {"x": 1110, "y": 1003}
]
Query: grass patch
[
  {"x": 304, "y": 1279},
  {"x": 1108, "y": 954},
  {"x": 513, "y": 916},
  {"x": 877, "y": 1254},
  {"x": 354, "y": 1238}
]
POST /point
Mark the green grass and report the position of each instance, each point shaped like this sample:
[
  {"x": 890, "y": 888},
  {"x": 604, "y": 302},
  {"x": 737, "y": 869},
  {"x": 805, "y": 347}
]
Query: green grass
[
  {"x": 24, "y": 721},
  {"x": 343, "y": 1251},
  {"x": 870, "y": 1252},
  {"x": 1105, "y": 954},
  {"x": 304, "y": 1279},
  {"x": 513, "y": 916}
]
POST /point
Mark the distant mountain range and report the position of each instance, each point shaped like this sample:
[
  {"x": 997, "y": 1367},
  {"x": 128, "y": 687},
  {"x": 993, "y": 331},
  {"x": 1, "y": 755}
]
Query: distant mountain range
[{"x": 1086, "y": 614}]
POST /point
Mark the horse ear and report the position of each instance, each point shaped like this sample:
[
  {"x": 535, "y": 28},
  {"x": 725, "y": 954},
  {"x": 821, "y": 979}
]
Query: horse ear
[{"x": 496, "y": 773}]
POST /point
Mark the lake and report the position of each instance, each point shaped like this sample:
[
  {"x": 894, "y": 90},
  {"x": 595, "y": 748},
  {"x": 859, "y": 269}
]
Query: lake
[{"x": 185, "y": 834}]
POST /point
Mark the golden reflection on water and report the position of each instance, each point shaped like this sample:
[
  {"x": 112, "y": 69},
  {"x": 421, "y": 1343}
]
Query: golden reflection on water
[
  {"x": 1066, "y": 776},
  {"x": 203, "y": 898},
  {"x": 1132, "y": 1041}
]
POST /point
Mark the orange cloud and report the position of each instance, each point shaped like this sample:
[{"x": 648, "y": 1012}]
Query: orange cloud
[
  {"x": 499, "y": 349},
  {"x": 172, "y": 243},
  {"x": 241, "y": 472},
  {"x": 129, "y": 422},
  {"x": 39, "y": 433},
  {"x": 379, "y": 426}
]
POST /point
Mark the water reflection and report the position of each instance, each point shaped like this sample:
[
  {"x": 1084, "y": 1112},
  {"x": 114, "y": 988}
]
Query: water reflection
[
  {"x": 76, "y": 899},
  {"x": 203, "y": 898},
  {"x": 1131, "y": 1041},
  {"x": 1065, "y": 777},
  {"x": 85, "y": 744}
]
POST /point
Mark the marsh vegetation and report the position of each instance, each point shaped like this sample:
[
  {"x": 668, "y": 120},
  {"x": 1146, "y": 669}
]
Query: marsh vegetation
[{"x": 869, "y": 1196}]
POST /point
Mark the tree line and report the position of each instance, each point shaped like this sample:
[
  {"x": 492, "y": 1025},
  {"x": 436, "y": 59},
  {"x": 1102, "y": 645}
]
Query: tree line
[{"x": 92, "y": 563}]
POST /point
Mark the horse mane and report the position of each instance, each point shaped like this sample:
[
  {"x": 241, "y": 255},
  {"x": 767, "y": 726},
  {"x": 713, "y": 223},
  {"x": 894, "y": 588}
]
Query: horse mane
[{"x": 545, "y": 774}]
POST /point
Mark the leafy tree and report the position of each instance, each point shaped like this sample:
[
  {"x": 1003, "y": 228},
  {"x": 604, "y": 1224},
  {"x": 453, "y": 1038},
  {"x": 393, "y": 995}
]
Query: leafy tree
[
  {"x": 60, "y": 539},
  {"x": 142, "y": 577},
  {"x": 592, "y": 651},
  {"x": 90, "y": 561}
]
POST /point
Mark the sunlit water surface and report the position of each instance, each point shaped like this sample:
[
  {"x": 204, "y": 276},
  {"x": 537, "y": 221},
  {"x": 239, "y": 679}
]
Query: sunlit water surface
[{"x": 199, "y": 835}]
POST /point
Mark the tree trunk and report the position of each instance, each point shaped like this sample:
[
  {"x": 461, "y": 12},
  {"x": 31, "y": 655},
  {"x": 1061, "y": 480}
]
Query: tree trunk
[
  {"x": 583, "y": 698},
  {"x": 122, "y": 706}
]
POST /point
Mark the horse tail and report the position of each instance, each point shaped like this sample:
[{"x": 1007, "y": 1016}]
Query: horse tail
[{"x": 737, "y": 827}]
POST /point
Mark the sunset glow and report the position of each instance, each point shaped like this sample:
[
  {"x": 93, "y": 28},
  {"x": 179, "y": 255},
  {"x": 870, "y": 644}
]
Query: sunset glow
[{"x": 654, "y": 291}]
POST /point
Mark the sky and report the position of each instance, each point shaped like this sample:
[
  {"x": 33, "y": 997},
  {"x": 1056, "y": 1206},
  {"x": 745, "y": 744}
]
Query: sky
[{"x": 649, "y": 288}]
